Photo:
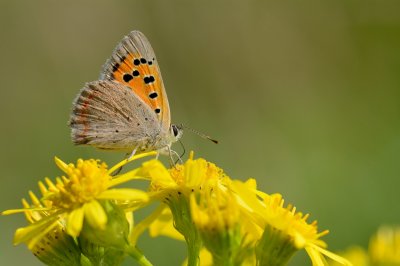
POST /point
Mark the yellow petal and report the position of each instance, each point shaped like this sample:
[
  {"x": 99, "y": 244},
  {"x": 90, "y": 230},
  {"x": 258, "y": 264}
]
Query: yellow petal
[
  {"x": 75, "y": 222},
  {"x": 328, "y": 254},
  {"x": 26, "y": 234},
  {"x": 136, "y": 157},
  {"x": 63, "y": 166},
  {"x": 123, "y": 178},
  {"x": 42, "y": 233},
  {"x": 158, "y": 173},
  {"x": 251, "y": 183},
  {"x": 139, "y": 228},
  {"x": 8, "y": 212},
  {"x": 124, "y": 194},
  {"x": 163, "y": 225},
  {"x": 248, "y": 196},
  {"x": 95, "y": 214}
]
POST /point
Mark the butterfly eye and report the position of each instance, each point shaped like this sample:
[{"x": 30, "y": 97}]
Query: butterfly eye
[{"x": 175, "y": 130}]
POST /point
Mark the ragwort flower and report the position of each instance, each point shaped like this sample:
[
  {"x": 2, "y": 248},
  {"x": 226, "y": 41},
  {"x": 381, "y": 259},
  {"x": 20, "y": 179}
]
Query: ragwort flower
[{"x": 78, "y": 198}]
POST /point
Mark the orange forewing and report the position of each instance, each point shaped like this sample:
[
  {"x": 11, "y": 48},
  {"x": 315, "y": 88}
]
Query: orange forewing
[{"x": 134, "y": 76}]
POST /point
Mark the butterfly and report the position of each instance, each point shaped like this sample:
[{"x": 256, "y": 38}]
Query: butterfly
[{"x": 127, "y": 108}]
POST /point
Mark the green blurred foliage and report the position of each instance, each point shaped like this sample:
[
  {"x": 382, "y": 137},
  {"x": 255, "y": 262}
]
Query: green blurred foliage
[{"x": 303, "y": 95}]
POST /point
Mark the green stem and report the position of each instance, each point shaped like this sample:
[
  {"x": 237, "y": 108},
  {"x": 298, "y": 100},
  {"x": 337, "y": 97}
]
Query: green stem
[
  {"x": 225, "y": 261},
  {"x": 193, "y": 252},
  {"x": 138, "y": 256}
]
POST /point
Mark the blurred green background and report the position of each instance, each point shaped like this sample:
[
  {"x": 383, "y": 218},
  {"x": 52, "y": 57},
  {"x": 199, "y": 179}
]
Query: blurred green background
[{"x": 303, "y": 95}]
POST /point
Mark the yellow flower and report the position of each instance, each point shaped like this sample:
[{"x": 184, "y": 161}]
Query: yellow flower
[
  {"x": 384, "y": 246},
  {"x": 216, "y": 214},
  {"x": 285, "y": 230},
  {"x": 204, "y": 201},
  {"x": 78, "y": 197},
  {"x": 383, "y": 250},
  {"x": 174, "y": 188},
  {"x": 50, "y": 249},
  {"x": 214, "y": 210}
]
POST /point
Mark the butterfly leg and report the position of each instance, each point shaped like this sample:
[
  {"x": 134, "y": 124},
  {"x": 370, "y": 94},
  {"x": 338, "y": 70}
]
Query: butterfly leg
[
  {"x": 116, "y": 172},
  {"x": 171, "y": 159},
  {"x": 171, "y": 156},
  {"x": 133, "y": 153},
  {"x": 179, "y": 159}
]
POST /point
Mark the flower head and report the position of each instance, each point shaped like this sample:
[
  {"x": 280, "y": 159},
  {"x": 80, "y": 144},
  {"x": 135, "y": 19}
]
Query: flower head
[
  {"x": 285, "y": 230},
  {"x": 216, "y": 215},
  {"x": 175, "y": 187},
  {"x": 384, "y": 246},
  {"x": 209, "y": 208},
  {"x": 77, "y": 199},
  {"x": 233, "y": 220},
  {"x": 55, "y": 246},
  {"x": 383, "y": 250}
]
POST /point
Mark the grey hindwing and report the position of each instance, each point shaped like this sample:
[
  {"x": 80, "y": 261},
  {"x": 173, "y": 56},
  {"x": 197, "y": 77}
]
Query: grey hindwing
[{"x": 108, "y": 115}]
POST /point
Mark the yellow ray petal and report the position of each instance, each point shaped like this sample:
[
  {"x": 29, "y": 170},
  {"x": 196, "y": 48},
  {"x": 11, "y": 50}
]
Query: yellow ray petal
[
  {"x": 140, "y": 227},
  {"x": 26, "y": 234},
  {"x": 95, "y": 214},
  {"x": 124, "y": 194},
  {"x": 123, "y": 162},
  {"x": 331, "y": 255},
  {"x": 75, "y": 222},
  {"x": 163, "y": 225},
  {"x": 63, "y": 166},
  {"x": 131, "y": 175},
  {"x": 8, "y": 212}
]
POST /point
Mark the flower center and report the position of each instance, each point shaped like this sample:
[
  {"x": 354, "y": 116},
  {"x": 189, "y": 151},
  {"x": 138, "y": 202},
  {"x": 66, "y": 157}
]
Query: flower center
[{"x": 83, "y": 183}]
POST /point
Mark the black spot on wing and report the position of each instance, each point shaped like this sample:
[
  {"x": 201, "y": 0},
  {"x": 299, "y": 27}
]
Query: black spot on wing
[
  {"x": 149, "y": 79},
  {"x": 115, "y": 67},
  {"x": 127, "y": 77},
  {"x": 153, "y": 95}
]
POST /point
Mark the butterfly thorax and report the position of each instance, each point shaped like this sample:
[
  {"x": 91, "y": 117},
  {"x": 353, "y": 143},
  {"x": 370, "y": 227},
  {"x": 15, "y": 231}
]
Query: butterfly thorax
[{"x": 162, "y": 142}]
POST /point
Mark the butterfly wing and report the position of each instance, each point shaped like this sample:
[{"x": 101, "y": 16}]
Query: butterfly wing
[
  {"x": 134, "y": 64},
  {"x": 108, "y": 115}
]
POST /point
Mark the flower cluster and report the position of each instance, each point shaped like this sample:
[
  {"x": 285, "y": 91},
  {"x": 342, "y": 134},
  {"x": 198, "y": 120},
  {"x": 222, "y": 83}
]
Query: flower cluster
[{"x": 81, "y": 219}]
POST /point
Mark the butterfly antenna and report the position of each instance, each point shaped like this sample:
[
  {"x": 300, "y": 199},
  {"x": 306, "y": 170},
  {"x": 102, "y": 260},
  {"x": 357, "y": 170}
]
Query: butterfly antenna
[
  {"x": 202, "y": 135},
  {"x": 183, "y": 147}
]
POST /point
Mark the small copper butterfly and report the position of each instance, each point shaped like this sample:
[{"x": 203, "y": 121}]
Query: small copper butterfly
[{"x": 127, "y": 108}]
